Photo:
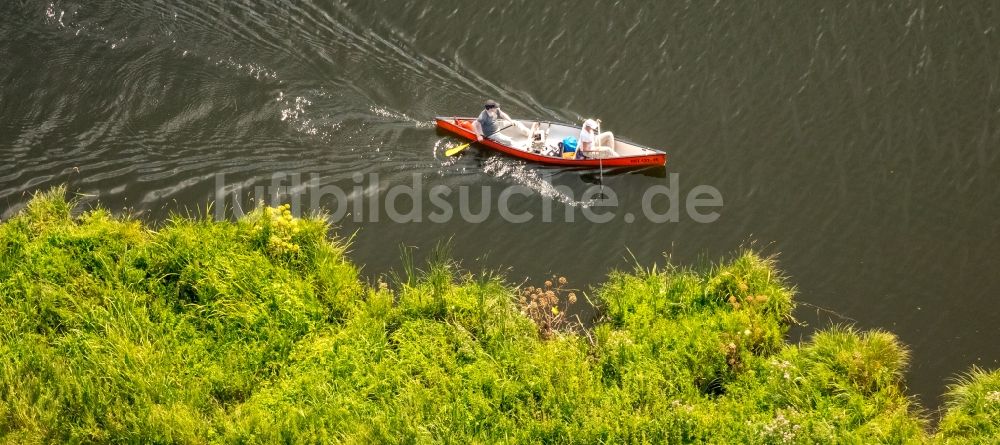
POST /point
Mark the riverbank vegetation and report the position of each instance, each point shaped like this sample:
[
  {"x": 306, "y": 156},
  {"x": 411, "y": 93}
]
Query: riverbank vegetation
[{"x": 261, "y": 331}]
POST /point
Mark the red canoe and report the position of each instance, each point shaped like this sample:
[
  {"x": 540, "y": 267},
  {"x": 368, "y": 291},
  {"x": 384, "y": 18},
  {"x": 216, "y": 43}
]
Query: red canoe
[{"x": 543, "y": 144}]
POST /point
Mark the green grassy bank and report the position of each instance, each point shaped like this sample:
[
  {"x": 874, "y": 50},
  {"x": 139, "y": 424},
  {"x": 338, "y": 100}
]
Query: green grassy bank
[{"x": 260, "y": 331}]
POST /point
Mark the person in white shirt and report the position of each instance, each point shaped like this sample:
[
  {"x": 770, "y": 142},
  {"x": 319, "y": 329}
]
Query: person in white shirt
[{"x": 595, "y": 145}]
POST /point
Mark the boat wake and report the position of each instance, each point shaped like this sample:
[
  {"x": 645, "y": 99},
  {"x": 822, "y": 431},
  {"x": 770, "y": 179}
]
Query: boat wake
[
  {"x": 529, "y": 176},
  {"x": 244, "y": 90}
]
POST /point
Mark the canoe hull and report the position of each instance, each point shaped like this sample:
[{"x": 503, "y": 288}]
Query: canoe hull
[{"x": 647, "y": 157}]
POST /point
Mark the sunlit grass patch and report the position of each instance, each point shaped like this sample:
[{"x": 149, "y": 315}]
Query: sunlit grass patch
[
  {"x": 147, "y": 335},
  {"x": 973, "y": 403}
]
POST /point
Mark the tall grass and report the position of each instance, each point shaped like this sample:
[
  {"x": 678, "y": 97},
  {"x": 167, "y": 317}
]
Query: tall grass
[
  {"x": 260, "y": 331},
  {"x": 973, "y": 413}
]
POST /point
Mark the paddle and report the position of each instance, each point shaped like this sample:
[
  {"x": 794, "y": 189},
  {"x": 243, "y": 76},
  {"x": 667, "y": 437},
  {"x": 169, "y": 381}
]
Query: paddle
[{"x": 461, "y": 148}]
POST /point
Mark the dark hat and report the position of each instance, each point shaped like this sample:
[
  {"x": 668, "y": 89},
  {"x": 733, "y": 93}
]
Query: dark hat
[{"x": 490, "y": 104}]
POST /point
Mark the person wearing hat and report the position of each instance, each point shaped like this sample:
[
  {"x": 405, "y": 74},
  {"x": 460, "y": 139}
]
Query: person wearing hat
[
  {"x": 593, "y": 144},
  {"x": 487, "y": 126}
]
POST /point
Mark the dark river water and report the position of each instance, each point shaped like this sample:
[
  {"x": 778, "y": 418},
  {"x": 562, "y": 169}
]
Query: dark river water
[{"x": 857, "y": 139}]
